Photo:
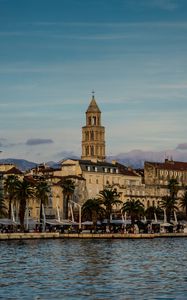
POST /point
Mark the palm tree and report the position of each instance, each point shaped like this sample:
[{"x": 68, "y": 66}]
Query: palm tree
[
  {"x": 10, "y": 186},
  {"x": 169, "y": 202},
  {"x": 134, "y": 208},
  {"x": 109, "y": 198},
  {"x": 151, "y": 211},
  {"x": 183, "y": 201},
  {"x": 23, "y": 192},
  {"x": 3, "y": 208},
  {"x": 170, "y": 205},
  {"x": 42, "y": 191},
  {"x": 173, "y": 187},
  {"x": 68, "y": 187},
  {"x": 92, "y": 210}
]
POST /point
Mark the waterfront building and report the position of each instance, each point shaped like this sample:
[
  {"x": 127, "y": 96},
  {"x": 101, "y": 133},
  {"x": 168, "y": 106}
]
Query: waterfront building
[
  {"x": 7, "y": 168},
  {"x": 158, "y": 174},
  {"x": 98, "y": 175}
]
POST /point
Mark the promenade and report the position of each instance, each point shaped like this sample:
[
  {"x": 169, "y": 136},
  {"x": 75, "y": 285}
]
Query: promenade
[{"x": 57, "y": 235}]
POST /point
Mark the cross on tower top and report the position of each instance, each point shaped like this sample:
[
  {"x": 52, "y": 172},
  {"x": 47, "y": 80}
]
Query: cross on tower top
[{"x": 93, "y": 94}]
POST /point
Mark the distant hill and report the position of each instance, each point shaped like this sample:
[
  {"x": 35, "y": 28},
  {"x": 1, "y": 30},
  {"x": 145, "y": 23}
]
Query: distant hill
[
  {"x": 134, "y": 159},
  {"x": 21, "y": 164}
]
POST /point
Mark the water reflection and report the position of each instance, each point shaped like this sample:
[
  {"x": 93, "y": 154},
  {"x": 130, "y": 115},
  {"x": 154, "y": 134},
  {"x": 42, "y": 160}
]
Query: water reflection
[{"x": 93, "y": 269}]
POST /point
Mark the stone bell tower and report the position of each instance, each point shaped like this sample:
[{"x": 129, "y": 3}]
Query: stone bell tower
[{"x": 93, "y": 134}]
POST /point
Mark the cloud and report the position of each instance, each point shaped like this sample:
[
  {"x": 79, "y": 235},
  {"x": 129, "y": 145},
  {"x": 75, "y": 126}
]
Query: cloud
[
  {"x": 174, "y": 86},
  {"x": 2, "y": 142},
  {"x": 35, "y": 142},
  {"x": 182, "y": 146},
  {"x": 169, "y": 5}
]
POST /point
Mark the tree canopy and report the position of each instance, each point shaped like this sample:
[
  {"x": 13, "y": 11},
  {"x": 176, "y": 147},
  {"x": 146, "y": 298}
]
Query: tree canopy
[{"x": 134, "y": 208}]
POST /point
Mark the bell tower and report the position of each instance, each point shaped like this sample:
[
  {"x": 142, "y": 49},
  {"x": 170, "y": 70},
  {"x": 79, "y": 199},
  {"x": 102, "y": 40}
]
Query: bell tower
[{"x": 93, "y": 134}]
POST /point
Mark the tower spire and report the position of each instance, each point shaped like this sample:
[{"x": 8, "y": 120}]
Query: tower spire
[
  {"x": 93, "y": 94},
  {"x": 93, "y": 134}
]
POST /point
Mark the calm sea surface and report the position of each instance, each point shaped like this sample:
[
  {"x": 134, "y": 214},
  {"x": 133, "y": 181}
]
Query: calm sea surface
[{"x": 94, "y": 269}]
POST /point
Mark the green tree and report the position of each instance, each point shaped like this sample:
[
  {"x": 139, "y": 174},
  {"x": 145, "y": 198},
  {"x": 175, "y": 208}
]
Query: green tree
[
  {"x": 3, "y": 208},
  {"x": 134, "y": 208},
  {"x": 151, "y": 211},
  {"x": 173, "y": 187},
  {"x": 23, "y": 192},
  {"x": 92, "y": 210},
  {"x": 68, "y": 187},
  {"x": 183, "y": 201},
  {"x": 42, "y": 191},
  {"x": 10, "y": 186},
  {"x": 170, "y": 205},
  {"x": 169, "y": 202},
  {"x": 109, "y": 198}
]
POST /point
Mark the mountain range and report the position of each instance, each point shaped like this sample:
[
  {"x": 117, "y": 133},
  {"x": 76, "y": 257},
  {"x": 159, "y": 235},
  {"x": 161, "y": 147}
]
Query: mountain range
[{"x": 134, "y": 158}]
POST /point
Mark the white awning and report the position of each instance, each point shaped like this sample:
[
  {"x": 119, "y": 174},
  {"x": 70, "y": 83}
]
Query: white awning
[
  {"x": 55, "y": 222},
  {"x": 166, "y": 224},
  {"x": 7, "y": 222}
]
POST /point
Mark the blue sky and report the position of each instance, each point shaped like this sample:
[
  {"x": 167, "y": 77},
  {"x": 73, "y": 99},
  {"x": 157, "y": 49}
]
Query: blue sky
[{"x": 53, "y": 53}]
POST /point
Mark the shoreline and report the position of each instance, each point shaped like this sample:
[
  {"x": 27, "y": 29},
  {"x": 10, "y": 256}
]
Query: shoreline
[{"x": 57, "y": 235}]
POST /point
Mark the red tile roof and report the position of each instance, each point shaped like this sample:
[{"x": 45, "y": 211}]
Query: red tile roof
[
  {"x": 13, "y": 170},
  {"x": 170, "y": 165}
]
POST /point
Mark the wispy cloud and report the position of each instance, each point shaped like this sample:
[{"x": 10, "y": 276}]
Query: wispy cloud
[
  {"x": 168, "y": 5},
  {"x": 36, "y": 141},
  {"x": 174, "y": 86},
  {"x": 182, "y": 146},
  {"x": 99, "y": 25}
]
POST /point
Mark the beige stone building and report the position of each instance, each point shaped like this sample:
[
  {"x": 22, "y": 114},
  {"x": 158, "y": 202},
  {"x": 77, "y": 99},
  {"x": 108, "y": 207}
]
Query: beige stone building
[
  {"x": 158, "y": 174},
  {"x": 55, "y": 179},
  {"x": 98, "y": 175}
]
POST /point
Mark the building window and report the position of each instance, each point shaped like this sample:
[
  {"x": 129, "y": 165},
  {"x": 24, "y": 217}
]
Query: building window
[
  {"x": 87, "y": 150},
  {"x": 94, "y": 120},
  {"x": 92, "y": 150},
  {"x": 92, "y": 136}
]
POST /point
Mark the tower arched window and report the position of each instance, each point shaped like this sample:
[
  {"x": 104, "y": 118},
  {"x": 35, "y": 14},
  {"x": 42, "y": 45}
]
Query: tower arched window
[
  {"x": 92, "y": 150},
  {"x": 94, "y": 120},
  {"x": 92, "y": 136},
  {"x": 87, "y": 135},
  {"x": 87, "y": 150}
]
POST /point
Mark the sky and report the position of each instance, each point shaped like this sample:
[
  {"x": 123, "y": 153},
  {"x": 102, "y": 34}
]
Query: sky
[{"x": 53, "y": 53}]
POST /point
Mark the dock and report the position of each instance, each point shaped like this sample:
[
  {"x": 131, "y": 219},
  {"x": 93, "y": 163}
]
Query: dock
[{"x": 57, "y": 235}]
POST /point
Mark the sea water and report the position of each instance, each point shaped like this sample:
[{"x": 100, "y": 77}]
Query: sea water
[{"x": 94, "y": 269}]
